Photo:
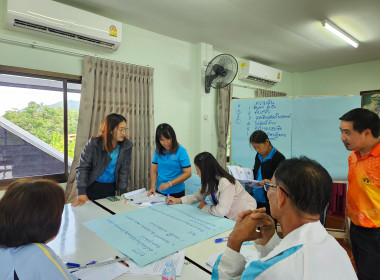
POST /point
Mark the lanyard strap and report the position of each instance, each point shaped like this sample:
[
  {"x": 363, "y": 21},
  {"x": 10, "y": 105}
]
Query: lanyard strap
[{"x": 214, "y": 200}]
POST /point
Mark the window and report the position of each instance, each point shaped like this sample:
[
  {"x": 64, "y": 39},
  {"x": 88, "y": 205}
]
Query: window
[{"x": 38, "y": 123}]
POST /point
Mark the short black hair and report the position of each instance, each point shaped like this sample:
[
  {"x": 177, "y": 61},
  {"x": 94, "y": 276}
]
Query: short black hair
[
  {"x": 210, "y": 170},
  {"x": 363, "y": 119},
  {"x": 167, "y": 131},
  {"x": 30, "y": 212},
  {"x": 258, "y": 137},
  {"x": 308, "y": 183}
]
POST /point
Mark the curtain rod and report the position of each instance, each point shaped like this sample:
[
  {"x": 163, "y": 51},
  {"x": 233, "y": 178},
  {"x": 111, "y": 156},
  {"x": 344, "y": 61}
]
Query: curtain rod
[{"x": 37, "y": 46}]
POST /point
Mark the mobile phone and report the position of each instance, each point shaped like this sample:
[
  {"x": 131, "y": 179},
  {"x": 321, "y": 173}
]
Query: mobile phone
[{"x": 113, "y": 198}]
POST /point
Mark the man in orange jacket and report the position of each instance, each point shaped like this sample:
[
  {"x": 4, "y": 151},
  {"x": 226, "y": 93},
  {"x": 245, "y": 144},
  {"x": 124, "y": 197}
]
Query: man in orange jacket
[{"x": 360, "y": 129}]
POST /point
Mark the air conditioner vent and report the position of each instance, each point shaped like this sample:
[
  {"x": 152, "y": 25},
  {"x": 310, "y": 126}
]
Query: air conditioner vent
[
  {"x": 30, "y": 25},
  {"x": 52, "y": 18},
  {"x": 257, "y": 79},
  {"x": 61, "y": 33}
]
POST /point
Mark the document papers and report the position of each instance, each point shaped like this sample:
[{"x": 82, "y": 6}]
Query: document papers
[
  {"x": 149, "y": 234},
  {"x": 248, "y": 254},
  {"x": 106, "y": 272},
  {"x": 243, "y": 175},
  {"x": 112, "y": 271},
  {"x": 157, "y": 267},
  {"x": 140, "y": 198}
]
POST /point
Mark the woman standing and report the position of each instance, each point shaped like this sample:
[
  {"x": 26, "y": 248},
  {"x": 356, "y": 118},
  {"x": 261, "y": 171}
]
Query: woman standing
[
  {"x": 266, "y": 162},
  {"x": 104, "y": 162},
  {"x": 170, "y": 165},
  {"x": 30, "y": 217},
  {"x": 228, "y": 196}
]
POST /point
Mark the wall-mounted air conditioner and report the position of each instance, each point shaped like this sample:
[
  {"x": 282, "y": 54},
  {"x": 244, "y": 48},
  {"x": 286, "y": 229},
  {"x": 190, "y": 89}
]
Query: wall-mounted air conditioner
[
  {"x": 250, "y": 70},
  {"x": 56, "y": 19}
]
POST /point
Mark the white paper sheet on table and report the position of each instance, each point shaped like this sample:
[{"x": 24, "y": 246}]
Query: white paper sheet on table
[
  {"x": 243, "y": 175},
  {"x": 248, "y": 254},
  {"x": 139, "y": 198},
  {"x": 105, "y": 272},
  {"x": 157, "y": 267},
  {"x": 112, "y": 271}
]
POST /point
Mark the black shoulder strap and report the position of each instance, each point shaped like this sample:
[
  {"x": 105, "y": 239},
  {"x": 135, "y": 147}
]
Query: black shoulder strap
[{"x": 15, "y": 276}]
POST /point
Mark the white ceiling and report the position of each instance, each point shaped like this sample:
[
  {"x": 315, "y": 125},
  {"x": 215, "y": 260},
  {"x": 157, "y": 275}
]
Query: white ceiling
[{"x": 286, "y": 34}]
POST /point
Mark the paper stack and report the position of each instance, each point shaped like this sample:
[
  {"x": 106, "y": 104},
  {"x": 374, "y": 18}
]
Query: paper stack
[
  {"x": 139, "y": 198},
  {"x": 243, "y": 175}
]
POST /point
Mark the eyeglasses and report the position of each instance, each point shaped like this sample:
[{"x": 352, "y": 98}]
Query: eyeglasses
[
  {"x": 121, "y": 130},
  {"x": 269, "y": 185}
]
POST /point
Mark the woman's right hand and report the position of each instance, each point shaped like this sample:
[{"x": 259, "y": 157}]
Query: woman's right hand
[
  {"x": 81, "y": 199},
  {"x": 173, "y": 200},
  {"x": 152, "y": 191}
]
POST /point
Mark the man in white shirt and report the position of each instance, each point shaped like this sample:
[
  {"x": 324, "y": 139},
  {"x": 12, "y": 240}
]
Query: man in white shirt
[{"x": 300, "y": 189}]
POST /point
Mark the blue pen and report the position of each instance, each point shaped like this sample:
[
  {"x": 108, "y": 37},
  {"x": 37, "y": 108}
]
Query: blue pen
[
  {"x": 218, "y": 240},
  {"x": 167, "y": 198},
  {"x": 70, "y": 264}
]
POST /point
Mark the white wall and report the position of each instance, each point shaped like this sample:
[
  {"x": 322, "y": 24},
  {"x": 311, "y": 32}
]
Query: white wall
[
  {"x": 340, "y": 80},
  {"x": 179, "y": 94}
]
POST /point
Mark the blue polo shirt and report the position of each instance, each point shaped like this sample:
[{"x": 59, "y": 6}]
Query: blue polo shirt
[
  {"x": 169, "y": 167},
  {"x": 108, "y": 175}
]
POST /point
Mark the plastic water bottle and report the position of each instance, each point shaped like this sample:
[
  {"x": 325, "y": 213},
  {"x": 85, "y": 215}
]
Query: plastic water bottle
[{"x": 169, "y": 271}]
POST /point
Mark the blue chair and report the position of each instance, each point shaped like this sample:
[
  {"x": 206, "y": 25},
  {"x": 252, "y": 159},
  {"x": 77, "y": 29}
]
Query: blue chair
[{"x": 193, "y": 184}]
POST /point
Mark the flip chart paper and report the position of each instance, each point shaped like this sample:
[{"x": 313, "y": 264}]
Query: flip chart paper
[{"x": 149, "y": 234}]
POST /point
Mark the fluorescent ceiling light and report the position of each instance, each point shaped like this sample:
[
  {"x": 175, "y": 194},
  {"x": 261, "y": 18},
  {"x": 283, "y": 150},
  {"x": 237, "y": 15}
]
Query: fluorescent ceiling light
[{"x": 340, "y": 33}]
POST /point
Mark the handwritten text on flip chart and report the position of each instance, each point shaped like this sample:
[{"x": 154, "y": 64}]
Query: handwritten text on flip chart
[
  {"x": 149, "y": 234},
  {"x": 272, "y": 115}
]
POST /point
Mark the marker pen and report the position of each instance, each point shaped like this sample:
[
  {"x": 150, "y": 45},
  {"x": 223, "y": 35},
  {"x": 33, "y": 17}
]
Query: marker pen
[
  {"x": 218, "y": 240},
  {"x": 70, "y": 264}
]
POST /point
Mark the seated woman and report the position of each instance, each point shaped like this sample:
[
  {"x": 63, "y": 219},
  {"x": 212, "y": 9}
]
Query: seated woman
[
  {"x": 30, "y": 217},
  {"x": 228, "y": 196}
]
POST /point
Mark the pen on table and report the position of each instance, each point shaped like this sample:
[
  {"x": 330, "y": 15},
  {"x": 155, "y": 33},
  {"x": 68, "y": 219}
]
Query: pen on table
[
  {"x": 223, "y": 239},
  {"x": 70, "y": 264},
  {"x": 218, "y": 240},
  {"x": 123, "y": 262}
]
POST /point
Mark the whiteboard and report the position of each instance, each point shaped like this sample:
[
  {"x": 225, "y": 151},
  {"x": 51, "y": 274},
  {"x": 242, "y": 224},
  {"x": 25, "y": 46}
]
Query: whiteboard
[{"x": 296, "y": 126}]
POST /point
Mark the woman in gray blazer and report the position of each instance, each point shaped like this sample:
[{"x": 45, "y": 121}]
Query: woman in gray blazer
[{"x": 104, "y": 164}]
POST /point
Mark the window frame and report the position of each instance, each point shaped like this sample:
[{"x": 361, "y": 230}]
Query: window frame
[{"x": 65, "y": 79}]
